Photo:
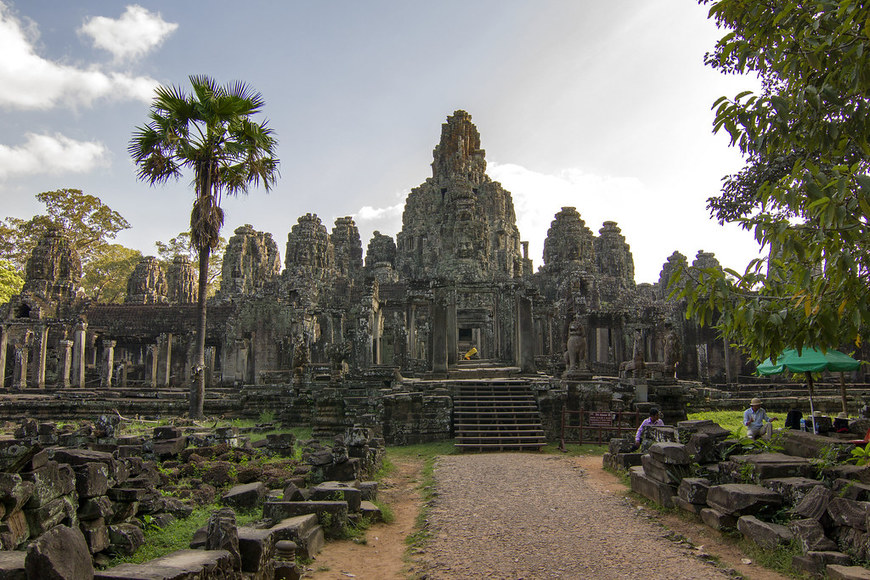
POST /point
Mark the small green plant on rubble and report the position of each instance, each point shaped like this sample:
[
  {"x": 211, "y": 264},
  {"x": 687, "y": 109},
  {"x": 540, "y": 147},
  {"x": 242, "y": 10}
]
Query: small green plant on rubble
[
  {"x": 826, "y": 459},
  {"x": 861, "y": 455}
]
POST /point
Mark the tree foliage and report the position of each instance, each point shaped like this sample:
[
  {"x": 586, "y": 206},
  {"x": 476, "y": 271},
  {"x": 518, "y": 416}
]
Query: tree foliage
[
  {"x": 84, "y": 219},
  {"x": 105, "y": 278},
  {"x": 805, "y": 190},
  {"x": 210, "y": 132},
  {"x": 10, "y": 281},
  {"x": 180, "y": 245}
]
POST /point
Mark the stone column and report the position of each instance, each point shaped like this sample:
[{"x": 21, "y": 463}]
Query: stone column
[
  {"x": 154, "y": 351},
  {"x": 4, "y": 341},
  {"x": 167, "y": 349},
  {"x": 412, "y": 331},
  {"x": 41, "y": 356},
  {"x": 19, "y": 377},
  {"x": 439, "y": 332},
  {"x": 64, "y": 364},
  {"x": 525, "y": 335},
  {"x": 377, "y": 333},
  {"x": 452, "y": 330},
  {"x": 729, "y": 370},
  {"x": 108, "y": 363},
  {"x": 79, "y": 354},
  {"x": 601, "y": 345}
]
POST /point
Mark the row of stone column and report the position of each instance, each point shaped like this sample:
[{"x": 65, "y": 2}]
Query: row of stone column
[{"x": 71, "y": 359}]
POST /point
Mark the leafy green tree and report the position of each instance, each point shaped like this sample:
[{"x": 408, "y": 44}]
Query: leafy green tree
[
  {"x": 180, "y": 246},
  {"x": 210, "y": 132},
  {"x": 105, "y": 278},
  {"x": 84, "y": 219},
  {"x": 805, "y": 189},
  {"x": 10, "y": 281}
]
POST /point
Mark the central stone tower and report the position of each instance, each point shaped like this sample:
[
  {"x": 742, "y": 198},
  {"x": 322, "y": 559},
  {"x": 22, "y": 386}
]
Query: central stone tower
[{"x": 459, "y": 226}]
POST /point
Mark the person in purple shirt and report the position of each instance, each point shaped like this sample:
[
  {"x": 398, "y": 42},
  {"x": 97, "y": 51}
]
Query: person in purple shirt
[{"x": 653, "y": 420}]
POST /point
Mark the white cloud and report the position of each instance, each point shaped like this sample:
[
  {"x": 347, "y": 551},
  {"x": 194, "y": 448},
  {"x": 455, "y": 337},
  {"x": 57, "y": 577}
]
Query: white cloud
[
  {"x": 28, "y": 81},
  {"x": 131, "y": 36},
  {"x": 368, "y": 213},
  {"x": 51, "y": 154}
]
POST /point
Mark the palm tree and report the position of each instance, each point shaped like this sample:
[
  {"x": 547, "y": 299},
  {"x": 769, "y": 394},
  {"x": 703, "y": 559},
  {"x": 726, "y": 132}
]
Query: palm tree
[{"x": 211, "y": 132}]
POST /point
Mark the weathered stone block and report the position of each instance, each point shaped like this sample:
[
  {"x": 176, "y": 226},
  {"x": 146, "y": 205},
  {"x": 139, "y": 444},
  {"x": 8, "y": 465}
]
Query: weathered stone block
[
  {"x": 670, "y": 453},
  {"x": 126, "y": 494},
  {"x": 245, "y": 497},
  {"x": 61, "y": 510},
  {"x": 792, "y": 489},
  {"x": 811, "y": 536},
  {"x": 166, "y": 432},
  {"x": 814, "y": 505},
  {"x": 766, "y": 535},
  {"x": 49, "y": 483},
  {"x": 95, "y": 508},
  {"x": 257, "y": 547},
  {"x": 332, "y": 515},
  {"x": 718, "y": 520},
  {"x": 652, "y": 489},
  {"x": 123, "y": 511},
  {"x": 848, "y": 512},
  {"x": 305, "y": 531},
  {"x": 125, "y": 538},
  {"x": 92, "y": 479},
  {"x": 670, "y": 474},
  {"x": 60, "y": 553},
  {"x": 221, "y": 534},
  {"x": 742, "y": 499},
  {"x": 14, "y": 491},
  {"x": 694, "y": 490},
  {"x": 183, "y": 564},
  {"x": 96, "y": 534},
  {"x": 620, "y": 445},
  {"x": 851, "y": 489},
  {"x": 686, "y": 506},
  {"x": 12, "y": 565},
  {"x": 775, "y": 465},
  {"x": 14, "y": 530},
  {"x": 168, "y": 448},
  {"x": 846, "y": 572},
  {"x": 338, "y": 491}
]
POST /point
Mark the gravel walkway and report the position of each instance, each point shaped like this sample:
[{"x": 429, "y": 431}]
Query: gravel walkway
[{"x": 523, "y": 516}]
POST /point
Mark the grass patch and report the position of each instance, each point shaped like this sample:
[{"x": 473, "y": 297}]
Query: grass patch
[
  {"x": 731, "y": 420},
  {"x": 778, "y": 559},
  {"x": 162, "y": 541},
  {"x": 422, "y": 534},
  {"x": 387, "y": 513}
]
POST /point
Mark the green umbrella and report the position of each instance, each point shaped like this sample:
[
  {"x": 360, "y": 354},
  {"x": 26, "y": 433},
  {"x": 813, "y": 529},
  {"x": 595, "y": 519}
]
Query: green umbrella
[{"x": 809, "y": 360}]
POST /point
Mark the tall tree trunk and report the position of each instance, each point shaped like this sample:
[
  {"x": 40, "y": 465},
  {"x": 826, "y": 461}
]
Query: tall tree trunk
[{"x": 197, "y": 386}]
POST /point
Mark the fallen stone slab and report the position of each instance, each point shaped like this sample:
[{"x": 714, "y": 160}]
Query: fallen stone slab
[
  {"x": 692, "y": 508},
  {"x": 621, "y": 461},
  {"x": 305, "y": 531},
  {"x": 774, "y": 465},
  {"x": 12, "y": 565},
  {"x": 815, "y": 563},
  {"x": 792, "y": 489},
  {"x": 338, "y": 491},
  {"x": 246, "y": 496},
  {"x": 180, "y": 565},
  {"x": 703, "y": 426},
  {"x": 257, "y": 547},
  {"x": 845, "y": 572},
  {"x": 14, "y": 491},
  {"x": 670, "y": 453},
  {"x": 125, "y": 538},
  {"x": 14, "y": 530},
  {"x": 808, "y": 445},
  {"x": 742, "y": 499},
  {"x": 848, "y": 512},
  {"x": 58, "y": 511},
  {"x": 652, "y": 489},
  {"x": 814, "y": 505},
  {"x": 92, "y": 479},
  {"x": 332, "y": 515},
  {"x": 370, "y": 511},
  {"x": 811, "y": 536},
  {"x": 717, "y": 520},
  {"x": 694, "y": 490},
  {"x": 60, "y": 553},
  {"x": 850, "y": 489},
  {"x": 765, "y": 534}
]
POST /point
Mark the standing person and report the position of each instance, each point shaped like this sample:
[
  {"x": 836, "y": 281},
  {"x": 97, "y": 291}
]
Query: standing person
[
  {"x": 754, "y": 418},
  {"x": 653, "y": 420}
]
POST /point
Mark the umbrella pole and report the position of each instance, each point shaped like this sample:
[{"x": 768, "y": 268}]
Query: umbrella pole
[
  {"x": 812, "y": 411},
  {"x": 843, "y": 389}
]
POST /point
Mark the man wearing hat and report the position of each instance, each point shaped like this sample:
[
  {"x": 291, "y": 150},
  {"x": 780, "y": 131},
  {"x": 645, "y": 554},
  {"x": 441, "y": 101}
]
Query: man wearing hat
[{"x": 754, "y": 418}]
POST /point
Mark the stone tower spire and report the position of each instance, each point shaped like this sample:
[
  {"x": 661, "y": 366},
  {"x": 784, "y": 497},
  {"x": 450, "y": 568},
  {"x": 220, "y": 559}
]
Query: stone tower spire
[{"x": 459, "y": 153}]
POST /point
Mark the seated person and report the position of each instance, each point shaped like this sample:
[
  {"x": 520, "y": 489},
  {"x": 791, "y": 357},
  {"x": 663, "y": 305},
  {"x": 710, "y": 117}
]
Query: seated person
[
  {"x": 841, "y": 423},
  {"x": 754, "y": 418},
  {"x": 652, "y": 420}
]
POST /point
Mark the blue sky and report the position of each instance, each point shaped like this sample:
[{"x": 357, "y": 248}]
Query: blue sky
[{"x": 604, "y": 106}]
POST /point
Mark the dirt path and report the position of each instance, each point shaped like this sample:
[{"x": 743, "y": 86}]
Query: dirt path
[
  {"x": 529, "y": 516},
  {"x": 381, "y": 557}
]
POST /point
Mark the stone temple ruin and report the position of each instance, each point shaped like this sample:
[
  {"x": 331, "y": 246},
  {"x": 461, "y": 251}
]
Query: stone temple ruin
[{"x": 336, "y": 341}]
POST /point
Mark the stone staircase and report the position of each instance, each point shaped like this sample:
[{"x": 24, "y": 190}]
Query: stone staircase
[{"x": 496, "y": 415}]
